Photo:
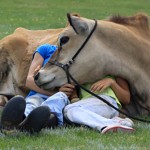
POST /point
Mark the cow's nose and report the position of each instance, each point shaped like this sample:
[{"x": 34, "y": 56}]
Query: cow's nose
[{"x": 36, "y": 76}]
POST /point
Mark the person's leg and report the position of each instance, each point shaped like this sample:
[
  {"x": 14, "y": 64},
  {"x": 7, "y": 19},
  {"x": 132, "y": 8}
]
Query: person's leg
[
  {"x": 36, "y": 120},
  {"x": 36, "y": 115},
  {"x": 33, "y": 102},
  {"x": 13, "y": 115},
  {"x": 56, "y": 103},
  {"x": 92, "y": 112}
]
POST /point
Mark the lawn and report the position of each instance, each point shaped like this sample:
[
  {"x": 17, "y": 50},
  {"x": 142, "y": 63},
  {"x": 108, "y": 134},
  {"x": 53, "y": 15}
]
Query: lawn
[
  {"x": 78, "y": 138},
  {"x": 46, "y": 14}
]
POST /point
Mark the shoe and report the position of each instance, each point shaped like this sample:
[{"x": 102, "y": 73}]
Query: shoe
[
  {"x": 13, "y": 112},
  {"x": 115, "y": 128},
  {"x": 36, "y": 120},
  {"x": 125, "y": 122},
  {"x": 52, "y": 121}
]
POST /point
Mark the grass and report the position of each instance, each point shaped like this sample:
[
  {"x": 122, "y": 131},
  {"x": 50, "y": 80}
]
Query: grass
[
  {"x": 45, "y": 14},
  {"x": 78, "y": 138}
]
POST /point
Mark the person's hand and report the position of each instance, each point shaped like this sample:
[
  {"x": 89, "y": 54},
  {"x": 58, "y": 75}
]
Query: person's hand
[
  {"x": 36, "y": 70},
  {"x": 67, "y": 89},
  {"x": 74, "y": 94},
  {"x": 102, "y": 84}
]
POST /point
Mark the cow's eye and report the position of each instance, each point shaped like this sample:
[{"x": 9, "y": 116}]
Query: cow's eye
[{"x": 64, "y": 40}]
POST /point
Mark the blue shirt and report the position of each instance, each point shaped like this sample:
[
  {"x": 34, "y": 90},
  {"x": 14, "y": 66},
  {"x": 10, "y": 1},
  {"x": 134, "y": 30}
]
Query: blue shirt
[{"x": 46, "y": 51}]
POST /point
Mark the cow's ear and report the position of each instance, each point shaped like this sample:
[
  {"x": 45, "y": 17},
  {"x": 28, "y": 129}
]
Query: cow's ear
[{"x": 79, "y": 26}]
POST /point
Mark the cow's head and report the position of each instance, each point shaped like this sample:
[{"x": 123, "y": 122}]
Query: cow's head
[
  {"x": 69, "y": 42},
  {"x": 109, "y": 50}
]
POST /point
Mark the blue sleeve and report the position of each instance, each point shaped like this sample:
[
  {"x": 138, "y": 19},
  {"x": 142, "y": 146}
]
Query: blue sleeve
[{"x": 45, "y": 50}]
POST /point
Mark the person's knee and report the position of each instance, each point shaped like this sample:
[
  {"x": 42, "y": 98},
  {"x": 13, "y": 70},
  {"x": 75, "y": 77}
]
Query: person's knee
[
  {"x": 61, "y": 94},
  {"x": 70, "y": 114},
  {"x": 59, "y": 98},
  {"x": 34, "y": 101},
  {"x": 67, "y": 109}
]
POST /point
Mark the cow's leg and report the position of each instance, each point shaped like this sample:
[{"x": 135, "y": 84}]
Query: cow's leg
[
  {"x": 4, "y": 97},
  {"x": 3, "y": 100},
  {"x": 13, "y": 112}
]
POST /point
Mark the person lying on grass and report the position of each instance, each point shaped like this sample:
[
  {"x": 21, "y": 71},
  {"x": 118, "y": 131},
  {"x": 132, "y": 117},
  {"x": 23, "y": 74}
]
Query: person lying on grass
[
  {"x": 41, "y": 108},
  {"x": 96, "y": 114},
  {"x": 44, "y": 109}
]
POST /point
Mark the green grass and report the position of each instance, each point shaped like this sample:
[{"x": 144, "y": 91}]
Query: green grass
[
  {"x": 78, "y": 139},
  {"x": 45, "y": 14}
]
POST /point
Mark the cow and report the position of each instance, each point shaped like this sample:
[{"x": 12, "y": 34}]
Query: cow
[
  {"x": 16, "y": 52},
  {"x": 119, "y": 46}
]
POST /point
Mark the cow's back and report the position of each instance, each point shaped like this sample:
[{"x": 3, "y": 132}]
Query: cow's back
[{"x": 16, "y": 54}]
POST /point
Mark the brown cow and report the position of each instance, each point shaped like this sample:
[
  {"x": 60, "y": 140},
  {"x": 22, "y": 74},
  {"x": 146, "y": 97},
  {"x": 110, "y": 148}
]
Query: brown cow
[
  {"x": 119, "y": 46},
  {"x": 16, "y": 54}
]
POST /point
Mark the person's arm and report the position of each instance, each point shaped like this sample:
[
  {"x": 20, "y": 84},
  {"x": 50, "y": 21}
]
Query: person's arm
[
  {"x": 36, "y": 62},
  {"x": 120, "y": 88},
  {"x": 70, "y": 91}
]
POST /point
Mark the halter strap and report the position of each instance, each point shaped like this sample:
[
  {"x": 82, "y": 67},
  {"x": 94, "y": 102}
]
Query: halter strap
[
  {"x": 95, "y": 25},
  {"x": 66, "y": 66}
]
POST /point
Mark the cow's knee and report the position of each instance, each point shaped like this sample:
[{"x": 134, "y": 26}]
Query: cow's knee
[{"x": 3, "y": 100}]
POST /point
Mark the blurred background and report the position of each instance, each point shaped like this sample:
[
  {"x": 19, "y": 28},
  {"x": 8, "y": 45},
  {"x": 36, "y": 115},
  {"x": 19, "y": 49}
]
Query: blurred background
[{"x": 46, "y": 14}]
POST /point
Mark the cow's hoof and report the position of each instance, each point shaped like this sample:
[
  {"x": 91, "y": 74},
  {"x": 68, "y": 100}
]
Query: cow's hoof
[{"x": 13, "y": 112}]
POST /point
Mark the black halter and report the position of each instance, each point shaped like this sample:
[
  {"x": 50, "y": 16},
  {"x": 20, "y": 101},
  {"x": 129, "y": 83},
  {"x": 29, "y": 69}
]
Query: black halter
[{"x": 66, "y": 67}]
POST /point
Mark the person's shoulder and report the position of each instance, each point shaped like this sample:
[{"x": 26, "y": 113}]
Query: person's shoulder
[
  {"x": 47, "y": 46},
  {"x": 46, "y": 50}
]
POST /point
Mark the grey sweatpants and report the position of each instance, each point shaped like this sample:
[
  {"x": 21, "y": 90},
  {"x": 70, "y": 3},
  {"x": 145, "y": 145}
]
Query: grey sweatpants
[{"x": 92, "y": 112}]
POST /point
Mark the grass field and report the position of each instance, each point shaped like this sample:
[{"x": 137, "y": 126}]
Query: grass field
[{"x": 45, "y": 14}]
